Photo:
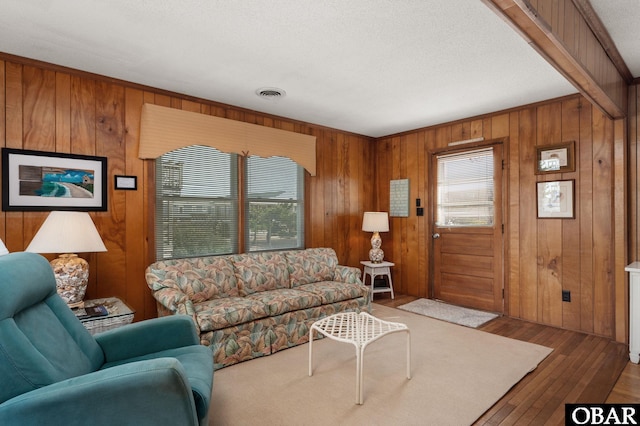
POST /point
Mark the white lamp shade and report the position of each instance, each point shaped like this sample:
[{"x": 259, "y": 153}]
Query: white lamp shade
[
  {"x": 375, "y": 222},
  {"x": 67, "y": 232},
  {"x": 3, "y": 249}
]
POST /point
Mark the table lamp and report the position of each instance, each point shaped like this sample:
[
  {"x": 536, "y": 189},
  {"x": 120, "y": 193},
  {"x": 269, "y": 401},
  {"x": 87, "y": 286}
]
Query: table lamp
[
  {"x": 376, "y": 222},
  {"x": 3, "y": 249},
  {"x": 68, "y": 233}
]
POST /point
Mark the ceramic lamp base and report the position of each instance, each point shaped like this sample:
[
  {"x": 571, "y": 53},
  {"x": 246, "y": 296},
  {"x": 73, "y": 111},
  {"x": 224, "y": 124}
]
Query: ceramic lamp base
[
  {"x": 376, "y": 254},
  {"x": 72, "y": 276}
]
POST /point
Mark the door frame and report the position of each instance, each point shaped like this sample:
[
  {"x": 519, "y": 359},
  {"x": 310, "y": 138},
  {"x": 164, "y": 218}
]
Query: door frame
[{"x": 432, "y": 180}]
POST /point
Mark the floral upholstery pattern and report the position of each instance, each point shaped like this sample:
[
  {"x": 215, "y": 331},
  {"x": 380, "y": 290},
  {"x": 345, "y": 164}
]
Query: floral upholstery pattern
[
  {"x": 261, "y": 272},
  {"x": 221, "y": 313},
  {"x": 200, "y": 278},
  {"x": 250, "y": 305},
  {"x": 311, "y": 266}
]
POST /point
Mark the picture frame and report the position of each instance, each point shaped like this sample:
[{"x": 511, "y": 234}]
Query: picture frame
[
  {"x": 129, "y": 183},
  {"x": 558, "y": 158},
  {"x": 556, "y": 199},
  {"x": 46, "y": 181}
]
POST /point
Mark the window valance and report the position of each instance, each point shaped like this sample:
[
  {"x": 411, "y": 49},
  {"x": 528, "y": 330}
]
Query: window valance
[{"x": 165, "y": 129}]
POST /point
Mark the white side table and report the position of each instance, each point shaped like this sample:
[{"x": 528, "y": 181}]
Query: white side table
[
  {"x": 634, "y": 311},
  {"x": 359, "y": 329},
  {"x": 378, "y": 269}
]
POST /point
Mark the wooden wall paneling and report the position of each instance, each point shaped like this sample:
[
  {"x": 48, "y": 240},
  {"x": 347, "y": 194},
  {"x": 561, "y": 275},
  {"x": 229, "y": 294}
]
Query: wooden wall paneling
[
  {"x": 621, "y": 307},
  {"x": 134, "y": 222},
  {"x": 498, "y": 127},
  {"x": 147, "y": 189},
  {"x": 355, "y": 160},
  {"x": 341, "y": 196},
  {"x": 331, "y": 223},
  {"x": 584, "y": 158},
  {"x": 14, "y": 230},
  {"x": 411, "y": 276},
  {"x": 550, "y": 255},
  {"x": 395, "y": 223},
  {"x": 38, "y": 112},
  {"x": 63, "y": 112},
  {"x": 602, "y": 225},
  {"x": 571, "y": 267},
  {"x": 110, "y": 143},
  {"x": 512, "y": 220},
  {"x": 634, "y": 183},
  {"x": 422, "y": 261},
  {"x": 528, "y": 259}
]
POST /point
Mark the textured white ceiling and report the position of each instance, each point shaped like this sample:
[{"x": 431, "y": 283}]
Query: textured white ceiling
[{"x": 373, "y": 67}]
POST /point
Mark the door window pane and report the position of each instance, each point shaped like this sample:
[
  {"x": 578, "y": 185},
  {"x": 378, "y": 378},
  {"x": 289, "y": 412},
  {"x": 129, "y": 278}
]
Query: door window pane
[{"x": 465, "y": 189}]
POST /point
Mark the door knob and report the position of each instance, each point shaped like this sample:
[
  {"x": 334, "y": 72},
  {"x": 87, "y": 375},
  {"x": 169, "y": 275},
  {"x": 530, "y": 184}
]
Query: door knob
[{"x": 436, "y": 236}]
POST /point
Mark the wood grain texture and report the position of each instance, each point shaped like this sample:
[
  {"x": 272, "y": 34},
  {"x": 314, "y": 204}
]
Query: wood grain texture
[
  {"x": 47, "y": 108},
  {"x": 544, "y": 256}
]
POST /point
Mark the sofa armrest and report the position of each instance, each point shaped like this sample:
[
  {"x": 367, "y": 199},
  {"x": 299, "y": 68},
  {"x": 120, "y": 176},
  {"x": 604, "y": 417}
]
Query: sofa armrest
[
  {"x": 150, "y": 392},
  {"x": 347, "y": 274},
  {"x": 145, "y": 337}
]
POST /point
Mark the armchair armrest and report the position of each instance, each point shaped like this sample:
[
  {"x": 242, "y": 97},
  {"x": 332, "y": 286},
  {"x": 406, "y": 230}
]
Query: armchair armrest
[
  {"x": 347, "y": 274},
  {"x": 147, "y": 337},
  {"x": 145, "y": 392}
]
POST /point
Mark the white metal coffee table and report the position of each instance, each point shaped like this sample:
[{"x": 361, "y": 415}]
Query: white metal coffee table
[{"x": 359, "y": 329}]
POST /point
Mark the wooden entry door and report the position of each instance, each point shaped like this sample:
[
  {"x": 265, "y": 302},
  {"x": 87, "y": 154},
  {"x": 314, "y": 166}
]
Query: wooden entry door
[{"x": 467, "y": 227}]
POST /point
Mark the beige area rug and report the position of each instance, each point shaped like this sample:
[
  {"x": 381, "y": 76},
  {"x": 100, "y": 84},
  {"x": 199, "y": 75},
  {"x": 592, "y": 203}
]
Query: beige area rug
[
  {"x": 447, "y": 312},
  {"x": 457, "y": 374}
]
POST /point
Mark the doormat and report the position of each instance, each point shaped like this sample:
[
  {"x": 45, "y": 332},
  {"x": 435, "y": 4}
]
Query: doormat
[{"x": 450, "y": 313}]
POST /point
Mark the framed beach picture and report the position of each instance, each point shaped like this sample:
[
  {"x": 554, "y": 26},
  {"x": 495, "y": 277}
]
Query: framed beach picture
[
  {"x": 555, "y": 158},
  {"x": 45, "y": 181},
  {"x": 556, "y": 199}
]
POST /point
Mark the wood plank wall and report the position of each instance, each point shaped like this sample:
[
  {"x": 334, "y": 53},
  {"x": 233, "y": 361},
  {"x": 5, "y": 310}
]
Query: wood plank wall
[
  {"x": 543, "y": 257},
  {"x": 634, "y": 172},
  {"x": 49, "y": 108}
]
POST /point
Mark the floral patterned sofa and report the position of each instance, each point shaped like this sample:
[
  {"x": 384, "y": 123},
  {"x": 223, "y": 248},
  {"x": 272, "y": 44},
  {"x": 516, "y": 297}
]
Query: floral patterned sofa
[{"x": 251, "y": 305}]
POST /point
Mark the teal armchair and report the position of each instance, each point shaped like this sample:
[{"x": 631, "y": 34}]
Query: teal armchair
[{"x": 54, "y": 372}]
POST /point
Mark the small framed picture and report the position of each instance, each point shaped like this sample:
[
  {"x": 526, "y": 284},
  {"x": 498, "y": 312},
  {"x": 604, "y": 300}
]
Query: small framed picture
[
  {"x": 556, "y": 199},
  {"x": 126, "y": 182},
  {"x": 555, "y": 158}
]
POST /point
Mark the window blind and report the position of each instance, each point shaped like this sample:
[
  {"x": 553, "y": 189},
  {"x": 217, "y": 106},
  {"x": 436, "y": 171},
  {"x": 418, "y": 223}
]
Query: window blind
[
  {"x": 465, "y": 189},
  {"x": 275, "y": 204},
  {"x": 196, "y": 203}
]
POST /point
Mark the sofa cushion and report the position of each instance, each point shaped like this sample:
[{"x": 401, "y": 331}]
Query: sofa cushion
[
  {"x": 332, "y": 291},
  {"x": 260, "y": 272},
  {"x": 286, "y": 300},
  {"x": 220, "y": 313},
  {"x": 311, "y": 265},
  {"x": 200, "y": 278}
]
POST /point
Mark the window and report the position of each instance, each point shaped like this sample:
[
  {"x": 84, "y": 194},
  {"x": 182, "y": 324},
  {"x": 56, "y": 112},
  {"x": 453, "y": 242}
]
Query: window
[
  {"x": 197, "y": 207},
  {"x": 275, "y": 204},
  {"x": 465, "y": 189},
  {"x": 196, "y": 203}
]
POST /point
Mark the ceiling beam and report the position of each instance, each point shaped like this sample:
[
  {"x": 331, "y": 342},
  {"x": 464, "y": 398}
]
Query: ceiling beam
[{"x": 559, "y": 32}]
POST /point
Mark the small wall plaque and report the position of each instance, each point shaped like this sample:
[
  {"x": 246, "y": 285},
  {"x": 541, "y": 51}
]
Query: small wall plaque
[{"x": 126, "y": 182}]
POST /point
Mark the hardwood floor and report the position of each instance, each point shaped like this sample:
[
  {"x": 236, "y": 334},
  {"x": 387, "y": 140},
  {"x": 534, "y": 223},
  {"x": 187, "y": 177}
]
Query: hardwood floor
[{"x": 581, "y": 369}]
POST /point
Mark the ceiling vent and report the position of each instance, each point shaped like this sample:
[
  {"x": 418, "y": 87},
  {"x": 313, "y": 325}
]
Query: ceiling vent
[{"x": 271, "y": 93}]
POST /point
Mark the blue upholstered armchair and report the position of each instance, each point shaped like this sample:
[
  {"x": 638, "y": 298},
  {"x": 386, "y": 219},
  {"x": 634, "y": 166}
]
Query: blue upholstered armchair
[{"x": 53, "y": 372}]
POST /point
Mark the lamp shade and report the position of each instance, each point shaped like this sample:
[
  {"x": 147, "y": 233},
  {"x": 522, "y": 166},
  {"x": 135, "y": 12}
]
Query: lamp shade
[
  {"x": 3, "y": 249},
  {"x": 375, "y": 222},
  {"x": 67, "y": 232}
]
